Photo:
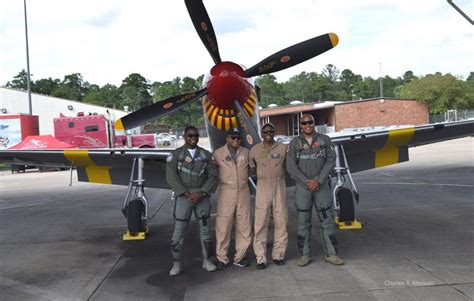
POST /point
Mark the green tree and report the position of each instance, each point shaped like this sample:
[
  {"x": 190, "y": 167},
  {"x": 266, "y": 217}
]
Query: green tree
[
  {"x": 20, "y": 81},
  {"x": 72, "y": 87},
  {"x": 271, "y": 90},
  {"x": 134, "y": 92},
  {"x": 46, "y": 86},
  {"x": 441, "y": 92},
  {"x": 348, "y": 83},
  {"x": 408, "y": 77}
]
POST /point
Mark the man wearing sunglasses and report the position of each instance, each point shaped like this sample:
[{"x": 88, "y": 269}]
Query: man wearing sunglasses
[
  {"x": 233, "y": 200},
  {"x": 192, "y": 178},
  {"x": 267, "y": 160},
  {"x": 309, "y": 161}
]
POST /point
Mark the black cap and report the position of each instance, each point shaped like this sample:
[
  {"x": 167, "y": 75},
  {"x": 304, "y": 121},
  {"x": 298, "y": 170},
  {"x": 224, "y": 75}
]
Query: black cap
[
  {"x": 234, "y": 132},
  {"x": 268, "y": 124}
]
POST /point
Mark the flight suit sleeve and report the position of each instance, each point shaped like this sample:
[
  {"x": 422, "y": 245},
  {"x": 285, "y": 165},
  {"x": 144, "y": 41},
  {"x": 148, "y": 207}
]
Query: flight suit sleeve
[
  {"x": 330, "y": 160},
  {"x": 292, "y": 166},
  {"x": 172, "y": 176},
  {"x": 211, "y": 171},
  {"x": 252, "y": 163}
]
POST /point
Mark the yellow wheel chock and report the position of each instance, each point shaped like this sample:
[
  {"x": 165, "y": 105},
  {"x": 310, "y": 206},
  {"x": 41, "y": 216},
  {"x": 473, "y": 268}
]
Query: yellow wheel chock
[
  {"x": 136, "y": 236},
  {"x": 351, "y": 225}
]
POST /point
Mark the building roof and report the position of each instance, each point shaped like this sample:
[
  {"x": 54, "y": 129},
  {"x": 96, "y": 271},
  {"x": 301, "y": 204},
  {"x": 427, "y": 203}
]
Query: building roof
[
  {"x": 373, "y": 99},
  {"x": 297, "y": 108}
]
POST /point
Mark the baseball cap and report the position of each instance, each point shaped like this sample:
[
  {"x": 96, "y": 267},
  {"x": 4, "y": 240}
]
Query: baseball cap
[
  {"x": 268, "y": 124},
  {"x": 234, "y": 132}
]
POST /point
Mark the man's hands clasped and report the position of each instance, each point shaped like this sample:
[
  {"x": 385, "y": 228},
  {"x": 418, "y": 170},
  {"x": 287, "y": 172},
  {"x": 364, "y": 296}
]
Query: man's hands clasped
[
  {"x": 312, "y": 185},
  {"x": 194, "y": 197}
]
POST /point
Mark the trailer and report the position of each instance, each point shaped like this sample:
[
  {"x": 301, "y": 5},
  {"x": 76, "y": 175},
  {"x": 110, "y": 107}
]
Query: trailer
[{"x": 97, "y": 131}]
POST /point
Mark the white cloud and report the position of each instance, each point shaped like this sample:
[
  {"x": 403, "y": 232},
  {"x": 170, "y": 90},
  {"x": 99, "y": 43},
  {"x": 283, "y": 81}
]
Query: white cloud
[{"x": 107, "y": 40}]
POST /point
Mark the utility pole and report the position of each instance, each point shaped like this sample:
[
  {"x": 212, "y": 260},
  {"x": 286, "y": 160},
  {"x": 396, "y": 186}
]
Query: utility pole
[
  {"x": 381, "y": 81},
  {"x": 30, "y": 111}
]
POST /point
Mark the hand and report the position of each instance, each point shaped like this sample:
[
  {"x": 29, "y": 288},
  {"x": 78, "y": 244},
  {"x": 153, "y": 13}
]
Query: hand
[
  {"x": 312, "y": 185},
  {"x": 195, "y": 197}
]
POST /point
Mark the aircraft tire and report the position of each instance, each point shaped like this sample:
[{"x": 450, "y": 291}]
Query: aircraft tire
[
  {"x": 346, "y": 205},
  {"x": 135, "y": 211}
]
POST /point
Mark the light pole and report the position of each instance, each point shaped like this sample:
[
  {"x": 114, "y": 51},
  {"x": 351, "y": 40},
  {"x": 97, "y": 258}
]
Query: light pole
[
  {"x": 380, "y": 81},
  {"x": 27, "y": 63}
]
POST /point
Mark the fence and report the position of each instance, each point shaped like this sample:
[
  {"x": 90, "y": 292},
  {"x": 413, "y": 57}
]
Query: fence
[{"x": 452, "y": 115}]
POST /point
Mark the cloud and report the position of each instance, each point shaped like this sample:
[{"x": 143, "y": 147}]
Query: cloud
[
  {"x": 109, "y": 39},
  {"x": 104, "y": 19}
]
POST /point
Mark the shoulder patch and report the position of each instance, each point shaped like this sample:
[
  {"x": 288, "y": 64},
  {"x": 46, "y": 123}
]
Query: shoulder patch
[{"x": 169, "y": 158}]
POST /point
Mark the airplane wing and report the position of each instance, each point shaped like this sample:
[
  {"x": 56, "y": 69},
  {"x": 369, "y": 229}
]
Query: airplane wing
[
  {"x": 381, "y": 148},
  {"x": 106, "y": 166}
]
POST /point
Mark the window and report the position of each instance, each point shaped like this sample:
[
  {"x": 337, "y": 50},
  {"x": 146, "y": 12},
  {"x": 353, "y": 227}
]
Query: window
[
  {"x": 92, "y": 128},
  {"x": 70, "y": 125}
]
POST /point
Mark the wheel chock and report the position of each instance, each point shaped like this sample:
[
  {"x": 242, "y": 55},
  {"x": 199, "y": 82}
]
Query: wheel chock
[
  {"x": 136, "y": 236},
  {"x": 350, "y": 225}
]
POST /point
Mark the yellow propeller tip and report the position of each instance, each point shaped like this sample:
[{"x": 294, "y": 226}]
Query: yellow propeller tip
[
  {"x": 334, "y": 39},
  {"x": 119, "y": 125}
]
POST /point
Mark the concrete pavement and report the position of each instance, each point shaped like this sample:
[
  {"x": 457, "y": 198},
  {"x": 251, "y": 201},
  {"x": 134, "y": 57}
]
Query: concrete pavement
[{"x": 64, "y": 243}]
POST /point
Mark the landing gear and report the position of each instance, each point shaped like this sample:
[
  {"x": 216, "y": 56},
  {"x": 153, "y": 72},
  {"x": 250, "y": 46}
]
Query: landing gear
[
  {"x": 344, "y": 197},
  {"x": 136, "y": 209}
]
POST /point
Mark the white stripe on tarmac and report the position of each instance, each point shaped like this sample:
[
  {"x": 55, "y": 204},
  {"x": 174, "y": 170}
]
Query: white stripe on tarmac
[
  {"x": 428, "y": 184},
  {"x": 21, "y": 206}
]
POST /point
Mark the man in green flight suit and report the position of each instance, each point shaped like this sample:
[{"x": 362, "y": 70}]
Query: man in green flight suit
[
  {"x": 309, "y": 161},
  {"x": 192, "y": 178}
]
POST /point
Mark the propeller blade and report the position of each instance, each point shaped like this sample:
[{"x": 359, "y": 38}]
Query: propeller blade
[
  {"x": 204, "y": 28},
  {"x": 158, "y": 109},
  {"x": 294, "y": 55},
  {"x": 250, "y": 135}
]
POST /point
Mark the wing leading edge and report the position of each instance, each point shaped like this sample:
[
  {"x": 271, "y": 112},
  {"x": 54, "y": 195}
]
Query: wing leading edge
[
  {"x": 105, "y": 166},
  {"x": 381, "y": 148}
]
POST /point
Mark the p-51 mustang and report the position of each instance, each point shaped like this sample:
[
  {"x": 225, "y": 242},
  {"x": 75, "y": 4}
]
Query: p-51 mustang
[{"x": 230, "y": 100}]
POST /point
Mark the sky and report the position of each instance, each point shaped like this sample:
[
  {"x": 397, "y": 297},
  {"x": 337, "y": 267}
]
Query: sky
[{"x": 107, "y": 40}]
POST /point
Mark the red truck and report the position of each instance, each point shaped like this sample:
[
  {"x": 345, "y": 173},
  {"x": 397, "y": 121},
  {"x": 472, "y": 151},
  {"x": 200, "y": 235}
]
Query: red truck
[{"x": 97, "y": 131}]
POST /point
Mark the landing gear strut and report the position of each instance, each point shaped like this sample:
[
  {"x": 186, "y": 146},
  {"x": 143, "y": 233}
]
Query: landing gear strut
[
  {"x": 343, "y": 197},
  {"x": 136, "y": 210}
]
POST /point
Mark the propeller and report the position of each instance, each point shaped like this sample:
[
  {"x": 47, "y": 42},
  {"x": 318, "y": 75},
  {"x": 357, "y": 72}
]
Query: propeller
[
  {"x": 204, "y": 28},
  {"x": 250, "y": 135},
  {"x": 158, "y": 109},
  {"x": 294, "y": 55}
]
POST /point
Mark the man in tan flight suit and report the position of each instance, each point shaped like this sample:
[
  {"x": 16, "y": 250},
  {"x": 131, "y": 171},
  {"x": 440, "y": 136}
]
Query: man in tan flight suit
[
  {"x": 233, "y": 200},
  {"x": 268, "y": 158}
]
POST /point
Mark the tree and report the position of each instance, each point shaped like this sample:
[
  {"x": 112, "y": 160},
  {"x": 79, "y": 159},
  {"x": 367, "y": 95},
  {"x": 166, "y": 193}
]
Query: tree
[
  {"x": 46, "y": 86},
  {"x": 348, "y": 83},
  {"x": 271, "y": 90},
  {"x": 134, "y": 92},
  {"x": 20, "y": 81},
  {"x": 72, "y": 87},
  {"x": 331, "y": 75},
  {"x": 408, "y": 77},
  {"x": 441, "y": 92}
]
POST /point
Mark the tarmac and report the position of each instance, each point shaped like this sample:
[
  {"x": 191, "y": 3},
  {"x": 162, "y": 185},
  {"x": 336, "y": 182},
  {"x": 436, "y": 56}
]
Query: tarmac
[{"x": 60, "y": 242}]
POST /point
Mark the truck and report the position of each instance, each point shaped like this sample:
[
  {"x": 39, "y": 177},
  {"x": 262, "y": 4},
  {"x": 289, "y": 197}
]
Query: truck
[{"x": 97, "y": 131}]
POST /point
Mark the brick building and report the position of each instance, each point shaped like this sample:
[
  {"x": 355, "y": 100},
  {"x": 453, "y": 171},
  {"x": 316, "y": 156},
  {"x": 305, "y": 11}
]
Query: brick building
[{"x": 337, "y": 116}]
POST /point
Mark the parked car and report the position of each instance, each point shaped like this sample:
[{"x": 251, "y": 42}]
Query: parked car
[
  {"x": 165, "y": 139},
  {"x": 173, "y": 137}
]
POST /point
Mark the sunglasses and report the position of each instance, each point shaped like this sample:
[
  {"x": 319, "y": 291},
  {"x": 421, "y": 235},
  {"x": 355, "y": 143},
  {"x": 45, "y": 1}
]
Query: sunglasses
[
  {"x": 268, "y": 132},
  {"x": 235, "y": 137},
  {"x": 310, "y": 122},
  {"x": 192, "y": 135}
]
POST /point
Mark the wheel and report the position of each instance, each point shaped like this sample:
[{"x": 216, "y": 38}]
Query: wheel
[
  {"x": 135, "y": 211},
  {"x": 346, "y": 204}
]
